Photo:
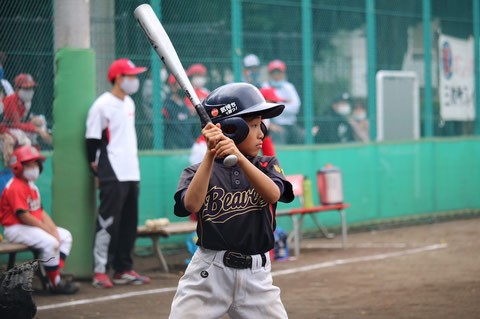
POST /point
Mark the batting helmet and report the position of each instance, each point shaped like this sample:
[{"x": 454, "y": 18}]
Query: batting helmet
[
  {"x": 230, "y": 103},
  {"x": 23, "y": 155}
]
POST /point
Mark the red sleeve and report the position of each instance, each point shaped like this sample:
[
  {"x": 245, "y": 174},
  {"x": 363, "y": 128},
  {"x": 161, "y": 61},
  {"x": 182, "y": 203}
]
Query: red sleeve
[
  {"x": 11, "y": 116},
  {"x": 17, "y": 198}
]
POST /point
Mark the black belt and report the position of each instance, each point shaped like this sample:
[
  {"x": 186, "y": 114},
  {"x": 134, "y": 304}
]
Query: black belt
[{"x": 237, "y": 260}]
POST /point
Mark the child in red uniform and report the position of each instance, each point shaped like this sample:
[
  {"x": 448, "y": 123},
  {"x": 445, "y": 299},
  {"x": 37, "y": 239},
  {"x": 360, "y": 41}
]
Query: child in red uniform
[{"x": 25, "y": 222}]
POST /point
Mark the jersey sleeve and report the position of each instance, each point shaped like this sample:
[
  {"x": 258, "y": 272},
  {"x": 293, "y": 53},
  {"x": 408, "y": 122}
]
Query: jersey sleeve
[
  {"x": 95, "y": 123},
  {"x": 18, "y": 200},
  {"x": 11, "y": 116},
  {"x": 270, "y": 166},
  {"x": 183, "y": 183}
]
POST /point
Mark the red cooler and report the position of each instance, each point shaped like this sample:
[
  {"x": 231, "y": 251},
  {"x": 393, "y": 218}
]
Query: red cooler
[{"x": 329, "y": 185}]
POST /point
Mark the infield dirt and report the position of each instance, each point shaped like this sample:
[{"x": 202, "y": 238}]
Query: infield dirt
[{"x": 425, "y": 271}]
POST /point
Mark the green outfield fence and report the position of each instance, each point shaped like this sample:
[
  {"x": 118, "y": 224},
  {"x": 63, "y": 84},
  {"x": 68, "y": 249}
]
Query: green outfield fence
[{"x": 328, "y": 46}]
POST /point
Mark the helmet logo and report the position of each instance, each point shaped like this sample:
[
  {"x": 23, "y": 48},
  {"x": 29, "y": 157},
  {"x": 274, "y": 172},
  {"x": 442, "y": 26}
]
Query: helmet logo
[
  {"x": 229, "y": 108},
  {"x": 13, "y": 160},
  {"x": 214, "y": 112}
]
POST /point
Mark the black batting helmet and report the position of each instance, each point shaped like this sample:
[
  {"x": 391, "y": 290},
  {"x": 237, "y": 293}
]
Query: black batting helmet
[{"x": 230, "y": 103}]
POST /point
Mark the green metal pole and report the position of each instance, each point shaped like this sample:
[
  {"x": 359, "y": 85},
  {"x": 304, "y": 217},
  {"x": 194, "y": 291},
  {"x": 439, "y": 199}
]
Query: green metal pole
[
  {"x": 371, "y": 68},
  {"x": 476, "y": 44},
  {"x": 237, "y": 36},
  {"x": 307, "y": 69},
  {"x": 157, "y": 88},
  {"x": 427, "y": 47}
]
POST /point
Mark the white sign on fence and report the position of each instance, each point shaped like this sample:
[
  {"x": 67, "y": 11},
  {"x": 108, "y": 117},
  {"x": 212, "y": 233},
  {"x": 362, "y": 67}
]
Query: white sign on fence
[{"x": 456, "y": 79}]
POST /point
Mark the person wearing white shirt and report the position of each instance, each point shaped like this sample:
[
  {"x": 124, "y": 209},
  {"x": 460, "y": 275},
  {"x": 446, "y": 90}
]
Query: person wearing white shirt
[
  {"x": 112, "y": 153},
  {"x": 287, "y": 131}
]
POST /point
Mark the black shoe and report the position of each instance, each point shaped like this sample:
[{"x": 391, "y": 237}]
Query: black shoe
[{"x": 65, "y": 288}]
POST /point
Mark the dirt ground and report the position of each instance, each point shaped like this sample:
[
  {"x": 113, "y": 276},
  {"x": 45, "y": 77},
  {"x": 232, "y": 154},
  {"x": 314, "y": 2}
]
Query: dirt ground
[{"x": 425, "y": 271}]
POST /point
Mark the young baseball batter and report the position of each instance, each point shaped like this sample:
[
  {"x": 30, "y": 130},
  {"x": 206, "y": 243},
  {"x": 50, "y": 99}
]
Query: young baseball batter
[
  {"x": 26, "y": 222},
  {"x": 230, "y": 271}
]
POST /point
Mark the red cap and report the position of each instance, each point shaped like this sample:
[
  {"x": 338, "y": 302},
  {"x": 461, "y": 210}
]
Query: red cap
[
  {"x": 171, "y": 80},
  {"x": 197, "y": 69},
  {"x": 271, "y": 95},
  {"x": 123, "y": 66},
  {"x": 24, "y": 80},
  {"x": 277, "y": 65}
]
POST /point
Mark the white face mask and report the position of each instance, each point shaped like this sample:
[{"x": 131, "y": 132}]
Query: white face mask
[
  {"x": 343, "y": 109},
  {"x": 32, "y": 173},
  {"x": 359, "y": 116},
  {"x": 26, "y": 95},
  {"x": 130, "y": 86},
  {"x": 163, "y": 75},
  {"x": 199, "y": 81}
]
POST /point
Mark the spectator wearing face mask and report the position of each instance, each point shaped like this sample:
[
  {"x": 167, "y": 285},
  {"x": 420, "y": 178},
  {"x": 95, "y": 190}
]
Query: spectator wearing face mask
[
  {"x": 359, "y": 122},
  {"x": 251, "y": 70},
  {"x": 289, "y": 132},
  {"x": 111, "y": 142},
  {"x": 197, "y": 73},
  {"x": 334, "y": 126},
  {"x": 178, "y": 121},
  {"x": 18, "y": 121}
]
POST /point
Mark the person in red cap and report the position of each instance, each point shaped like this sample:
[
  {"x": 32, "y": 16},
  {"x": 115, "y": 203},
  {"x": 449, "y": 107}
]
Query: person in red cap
[
  {"x": 197, "y": 73},
  {"x": 18, "y": 121},
  {"x": 179, "y": 120},
  {"x": 112, "y": 153},
  {"x": 26, "y": 222},
  {"x": 289, "y": 132},
  {"x": 270, "y": 96}
]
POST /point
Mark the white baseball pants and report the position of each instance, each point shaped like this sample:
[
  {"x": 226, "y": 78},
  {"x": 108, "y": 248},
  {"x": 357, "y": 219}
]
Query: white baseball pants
[
  {"x": 209, "y": 289},
  {"x": 38, "y": 238}
]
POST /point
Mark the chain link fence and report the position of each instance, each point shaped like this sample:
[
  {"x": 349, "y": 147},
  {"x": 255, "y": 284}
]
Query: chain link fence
[
  {"x": 26, "y": 46},
  {"x": 331, "y": 80}
]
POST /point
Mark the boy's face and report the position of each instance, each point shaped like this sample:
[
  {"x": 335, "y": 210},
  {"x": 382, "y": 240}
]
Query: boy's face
[
  {"x": 31, "y": 171},
  {"x": 253, "y": 142},
  {"x": 30, "y": 165}
]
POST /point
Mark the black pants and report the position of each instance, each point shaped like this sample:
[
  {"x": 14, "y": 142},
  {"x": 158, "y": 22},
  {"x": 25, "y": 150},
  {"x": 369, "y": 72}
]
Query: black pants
[{"x": 116, "y": 226}]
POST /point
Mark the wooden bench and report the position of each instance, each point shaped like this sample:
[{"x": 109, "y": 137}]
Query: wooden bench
[
  {"x": 12, "y": 249},
  {"x": 171, "y": 229},
  {"x": 297, "y": 215}
]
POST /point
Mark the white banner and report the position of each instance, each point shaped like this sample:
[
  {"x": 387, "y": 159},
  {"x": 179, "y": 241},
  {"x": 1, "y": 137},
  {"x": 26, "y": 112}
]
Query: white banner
[{"x": 456, "y": 79}]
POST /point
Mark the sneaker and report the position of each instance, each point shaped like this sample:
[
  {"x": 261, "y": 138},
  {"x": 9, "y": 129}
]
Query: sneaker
[
  {"x": 65, "y": 288},
  {"x": 130, "y": 277},
  {"x": 101, "y": 280}
]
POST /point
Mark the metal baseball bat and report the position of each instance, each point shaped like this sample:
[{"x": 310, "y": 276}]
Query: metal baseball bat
[{"x": 161, "y": 43}]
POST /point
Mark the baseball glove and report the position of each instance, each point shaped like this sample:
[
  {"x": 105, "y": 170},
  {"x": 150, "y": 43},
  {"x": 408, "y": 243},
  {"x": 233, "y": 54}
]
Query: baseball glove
[{"x": 16, "y": 292}]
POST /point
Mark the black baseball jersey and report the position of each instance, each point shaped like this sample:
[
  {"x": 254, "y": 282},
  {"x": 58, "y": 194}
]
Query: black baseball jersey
[{"x": 234, "y": 216}]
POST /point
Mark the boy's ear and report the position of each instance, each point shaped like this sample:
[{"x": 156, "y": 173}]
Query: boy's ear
[
  {"x": 235, "y": 128},
  {"x": 264, "y": 129}
]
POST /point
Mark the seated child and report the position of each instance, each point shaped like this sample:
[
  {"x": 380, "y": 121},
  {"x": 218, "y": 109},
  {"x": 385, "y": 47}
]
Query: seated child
[
  {"x": 235, "y": 206},
  {"x": 25, "y": 222}
]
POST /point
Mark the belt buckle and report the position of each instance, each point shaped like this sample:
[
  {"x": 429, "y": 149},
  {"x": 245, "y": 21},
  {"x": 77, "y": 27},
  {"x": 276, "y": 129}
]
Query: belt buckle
[{"x": 235, "y": 260}]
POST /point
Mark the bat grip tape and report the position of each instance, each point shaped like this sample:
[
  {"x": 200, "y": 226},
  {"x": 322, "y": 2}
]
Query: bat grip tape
[{"x": 204, "y": 118}]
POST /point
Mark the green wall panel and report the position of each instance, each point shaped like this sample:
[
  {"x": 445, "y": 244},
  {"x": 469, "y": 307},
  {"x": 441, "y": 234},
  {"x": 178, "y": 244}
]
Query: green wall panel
[{"x": 381, "y": 180}]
